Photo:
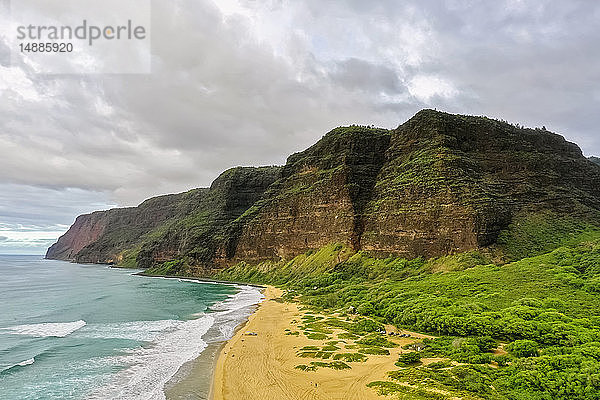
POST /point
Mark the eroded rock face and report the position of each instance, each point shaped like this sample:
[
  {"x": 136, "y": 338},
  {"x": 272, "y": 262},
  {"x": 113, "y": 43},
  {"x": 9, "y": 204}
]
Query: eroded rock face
[
  {"x": 436, "y": 185},
  {"x": 85, "y": 230},
  {"x": 318, "y": 200},
  {"x": 166, "y": 227},
  {"x": 100, "y": 237},
  {"x": 201, "y": 233},
  {"x": 451, "y": 183}
]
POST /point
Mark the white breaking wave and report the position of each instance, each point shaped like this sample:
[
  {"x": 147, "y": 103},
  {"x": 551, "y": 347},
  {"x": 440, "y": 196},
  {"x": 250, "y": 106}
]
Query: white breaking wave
[
  {"x": 172, "y": 344},
  {"x": 149, "y": 368},
  {"x": 26, "y": 362},
  {"x": 21, "y": 364},
  {"x": 144, "y": 331},
  {"x": 246, "y": 297},
  {"x": 48, "y": 329},
  {"x": 232, "y": 311}
]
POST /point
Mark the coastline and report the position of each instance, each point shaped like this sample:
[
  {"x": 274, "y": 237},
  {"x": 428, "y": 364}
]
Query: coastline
[
  {"x": 260, "y": 361},
  {"x": 196, "y": 279},
  {"x": 194, "y": 379},
  {"x": 218, "y": 383}
]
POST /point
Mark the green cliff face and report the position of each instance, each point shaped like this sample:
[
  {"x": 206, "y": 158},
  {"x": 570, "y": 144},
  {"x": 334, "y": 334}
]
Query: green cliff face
[
  {"x": 102, "y": 236},
  {"x": 164, "y": 228},
  {"x": 452, "y": 183},
  {"x": 439, "y": 184},
  {"x": 198, "y": 235},
  {"x": 319, "y": 199}
]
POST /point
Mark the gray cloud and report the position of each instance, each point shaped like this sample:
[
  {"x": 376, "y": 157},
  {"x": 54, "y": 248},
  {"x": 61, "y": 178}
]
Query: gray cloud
[{"x": 247, "y": 83}]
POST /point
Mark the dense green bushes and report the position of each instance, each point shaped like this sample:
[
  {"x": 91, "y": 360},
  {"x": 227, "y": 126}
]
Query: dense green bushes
[{"x": 525, "y": 330}]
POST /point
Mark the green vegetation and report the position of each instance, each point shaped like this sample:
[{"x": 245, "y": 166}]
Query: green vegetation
[
  {"x": 310, "y": 348},
  {"x": 350, "y": 357},
  {"x": 374, "y": 351},
  {"x": 540, "y": 233},
  {"x": 407, "y": 359},
  {"x": 128, "y": 258},
  {"x": 405, "y": 392},
  {"x": 303, "y": 367},
  {"x": 348, "y": 335},
  {"x": 316, "y": 354},
  {"x": 523, "y": 348},
  {"x": 338, "y": 365},
  {"x": 333, "y": 365},
  {"x": 364, "y": 343},
  {"x": 168, "y": 268},
  {"x": 529, "y": 329},
  {"x": 376, "y": 340},
  {"x": 439, "y": 364},
  {"x": 316, "y": 335}
]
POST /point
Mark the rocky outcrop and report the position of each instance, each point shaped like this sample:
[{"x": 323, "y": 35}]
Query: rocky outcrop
[
  {"x": 436, "y": 185},
  {"x": 595, "y": 160},
  {"x": 199, "y": 234},
  {"x": 102, "y": 236},
  {"x": 165, "y": 227},
  {"x": 318, "y": 200},
  {"x": 452, "y": 183},
  {"x": 85, "y": 230}
]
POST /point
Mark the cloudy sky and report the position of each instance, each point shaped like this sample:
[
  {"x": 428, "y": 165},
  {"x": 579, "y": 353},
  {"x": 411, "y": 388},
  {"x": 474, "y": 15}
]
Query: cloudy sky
[{"x": 247, "y": 82}]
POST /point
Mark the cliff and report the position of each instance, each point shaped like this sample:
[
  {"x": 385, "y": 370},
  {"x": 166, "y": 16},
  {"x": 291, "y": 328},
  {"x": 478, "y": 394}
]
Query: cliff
[
  {"x": 319, "y": 199},
  {"x": 101, "y": 236},
  {"x": 452, "y": 183},
  {"x": 164, "y": 227},
  {"x": 436, "y": 185}
]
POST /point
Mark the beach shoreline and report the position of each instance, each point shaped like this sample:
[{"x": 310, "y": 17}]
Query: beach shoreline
[
  {"x": 195, "y": 379},
  {"x": 196, "y": 279},
  {"x": 263, "y": 359}
]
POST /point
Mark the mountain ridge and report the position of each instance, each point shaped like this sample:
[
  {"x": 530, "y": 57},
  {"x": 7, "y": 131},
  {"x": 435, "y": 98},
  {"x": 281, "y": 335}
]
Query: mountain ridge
[{"x": 438, "y": 184}]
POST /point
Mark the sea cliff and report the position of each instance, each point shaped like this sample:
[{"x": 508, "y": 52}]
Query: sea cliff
[{"x": 439, "y": 184}]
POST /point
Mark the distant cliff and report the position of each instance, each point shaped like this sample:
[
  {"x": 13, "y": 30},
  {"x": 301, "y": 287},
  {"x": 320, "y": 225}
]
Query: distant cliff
[
  {"x": 436, "y": 185},
  {"x": 165, "y": 227}
]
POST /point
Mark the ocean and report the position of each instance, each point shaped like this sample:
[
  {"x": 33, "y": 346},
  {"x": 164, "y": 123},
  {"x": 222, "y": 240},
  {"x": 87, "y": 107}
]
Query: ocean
[{"x": 74, "y": 331}]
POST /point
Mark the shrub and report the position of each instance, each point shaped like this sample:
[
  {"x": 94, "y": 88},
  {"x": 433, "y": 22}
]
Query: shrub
[
  {"x": 350, "y": 357},
  {"x": 523, "y": 348},
  {"x": 407, "y": 359}
]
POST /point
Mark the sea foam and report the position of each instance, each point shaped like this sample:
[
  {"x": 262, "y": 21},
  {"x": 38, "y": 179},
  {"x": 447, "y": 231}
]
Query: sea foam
[
  {"x": 26, "y": 362},
  {"x": 171, "y": 344},
  {"x": 47, "y": 329},
  {"x": 21, "y": 364},
  {"x": 149, "y": 368},
  {"x": 234, "y": 310},
  {"x": 145, "y": 331}
]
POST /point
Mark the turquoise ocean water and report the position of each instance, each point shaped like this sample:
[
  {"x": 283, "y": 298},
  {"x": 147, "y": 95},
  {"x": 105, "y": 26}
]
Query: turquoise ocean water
[{"x": 72, "y": 331}]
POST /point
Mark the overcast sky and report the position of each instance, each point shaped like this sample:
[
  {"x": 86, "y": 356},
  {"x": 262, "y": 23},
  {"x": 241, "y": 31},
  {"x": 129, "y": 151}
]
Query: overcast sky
[{"x": 249, "y": 82}]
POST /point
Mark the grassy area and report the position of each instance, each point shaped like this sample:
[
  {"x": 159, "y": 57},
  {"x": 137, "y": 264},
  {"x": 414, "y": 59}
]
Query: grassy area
[{"x": 529, "y": 329}]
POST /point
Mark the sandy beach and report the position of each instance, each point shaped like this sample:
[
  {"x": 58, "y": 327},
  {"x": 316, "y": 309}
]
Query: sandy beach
[{"x": 259, "y": 361}]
